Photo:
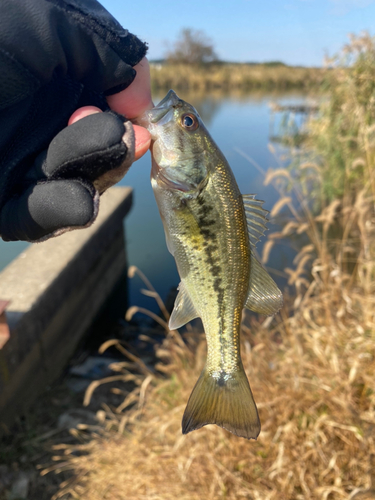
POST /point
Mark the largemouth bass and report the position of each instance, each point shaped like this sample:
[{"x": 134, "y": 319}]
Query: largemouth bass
[{"x": 211, "y": 230}]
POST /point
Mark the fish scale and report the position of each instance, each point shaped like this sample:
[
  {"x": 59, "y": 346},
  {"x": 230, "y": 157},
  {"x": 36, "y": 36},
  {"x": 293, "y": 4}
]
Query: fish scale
[{"x": 211, "y": 230}]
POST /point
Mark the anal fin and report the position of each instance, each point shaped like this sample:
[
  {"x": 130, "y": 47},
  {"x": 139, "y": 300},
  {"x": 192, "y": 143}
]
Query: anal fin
[{"x": 264, "y": 296}]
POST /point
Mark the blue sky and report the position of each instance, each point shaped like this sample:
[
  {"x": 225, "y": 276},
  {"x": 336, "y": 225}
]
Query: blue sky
[{"x": 297, "y": 32}]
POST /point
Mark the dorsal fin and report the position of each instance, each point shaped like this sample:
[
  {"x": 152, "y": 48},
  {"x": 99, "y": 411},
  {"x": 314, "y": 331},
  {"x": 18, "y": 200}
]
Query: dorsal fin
[
  {"x": 255, "y": 218},
  {"x": 183, "y": 311},
  {"x": 264, "y": 296}
]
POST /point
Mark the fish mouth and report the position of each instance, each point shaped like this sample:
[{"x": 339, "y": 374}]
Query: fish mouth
[
  {"x": 171, "y": 100},
  {"x": 154, "y": 115}
]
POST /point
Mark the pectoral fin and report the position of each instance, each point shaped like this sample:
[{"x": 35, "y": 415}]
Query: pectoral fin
[
  {"x": 183, "y": 311},
  {"x": 264, "y": 296},
  {"x": 168, "y": 240}
]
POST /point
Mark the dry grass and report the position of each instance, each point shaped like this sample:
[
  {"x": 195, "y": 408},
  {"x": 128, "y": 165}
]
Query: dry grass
[
  {"x": 312, "y": 374},
  {"x": 227, "y": 77},
  {"x": 311, "y": 369},
  {"x": 313, "y": 381},
  {"x": 342, "y": 134}
]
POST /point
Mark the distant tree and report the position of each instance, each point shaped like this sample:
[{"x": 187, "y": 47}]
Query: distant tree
[
  {"x": 192, "y": 47},
  {"x": 274, "y": 63}
]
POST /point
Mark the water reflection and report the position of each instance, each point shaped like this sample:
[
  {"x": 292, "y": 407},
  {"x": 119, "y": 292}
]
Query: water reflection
[{"x": 236, "y": 122}]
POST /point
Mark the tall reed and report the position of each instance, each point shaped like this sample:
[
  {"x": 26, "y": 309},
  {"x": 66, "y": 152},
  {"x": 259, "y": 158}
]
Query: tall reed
[
  {"x": 229, "y": 77},
  {"x": 312, "y": 374},
  {"x": 343, "y": 135},
  {"x": 311, "y": 368}
]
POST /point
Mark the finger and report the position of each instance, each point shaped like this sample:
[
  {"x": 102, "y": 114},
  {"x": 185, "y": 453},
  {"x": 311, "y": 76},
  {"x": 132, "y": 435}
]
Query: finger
[
  {"x": 142, "y": 136},
  {"x": 134, "y": 100},
  {"x": 49, "y": 209},
  {"x": 82, "y": 113},
  {"x": 98, "y": 148},
  {"x": 142, "y": 141}
]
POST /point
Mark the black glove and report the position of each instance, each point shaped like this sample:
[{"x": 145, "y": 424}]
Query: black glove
[{"x": 56, "y": 56}]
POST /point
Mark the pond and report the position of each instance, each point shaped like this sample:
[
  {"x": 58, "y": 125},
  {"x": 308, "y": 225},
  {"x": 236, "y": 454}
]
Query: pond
[{"x": 238, "y": 123}]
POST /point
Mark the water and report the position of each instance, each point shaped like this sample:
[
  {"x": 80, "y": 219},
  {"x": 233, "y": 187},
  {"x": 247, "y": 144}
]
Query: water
[
  {"x": 236, "y": 123},
  {"x": 10, "y": 250}
]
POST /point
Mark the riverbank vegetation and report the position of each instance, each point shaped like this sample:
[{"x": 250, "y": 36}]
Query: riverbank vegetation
[
  {"x": 191, "y": 63},
  {"x": 312, "y": 375},
  {"x": 343, "y": 135},
  {"x": 311, "y": 370},
  {"x": 311, "y": 367},
  {"x": 228, "y": 77}
]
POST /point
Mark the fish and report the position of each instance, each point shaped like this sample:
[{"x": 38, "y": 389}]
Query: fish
[{"x": 211, "y": 230}]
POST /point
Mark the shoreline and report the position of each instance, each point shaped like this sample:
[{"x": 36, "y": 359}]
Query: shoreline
[{"x": 240, "y": 77}]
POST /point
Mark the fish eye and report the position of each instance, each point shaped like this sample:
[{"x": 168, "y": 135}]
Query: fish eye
[{"x": 189, "y": 121}]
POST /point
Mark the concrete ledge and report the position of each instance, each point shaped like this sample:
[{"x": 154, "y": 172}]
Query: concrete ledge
[{"x": 55, "y": 290}]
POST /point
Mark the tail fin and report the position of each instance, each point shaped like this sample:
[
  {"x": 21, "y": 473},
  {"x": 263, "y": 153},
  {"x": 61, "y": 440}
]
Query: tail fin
[{"x": 227, "y": 403}]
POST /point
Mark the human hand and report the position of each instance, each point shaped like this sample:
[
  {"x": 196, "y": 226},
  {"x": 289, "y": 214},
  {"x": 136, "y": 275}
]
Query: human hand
[
  {"x": 132, "y": 103},
  {"x": 65, "y": 55}
]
